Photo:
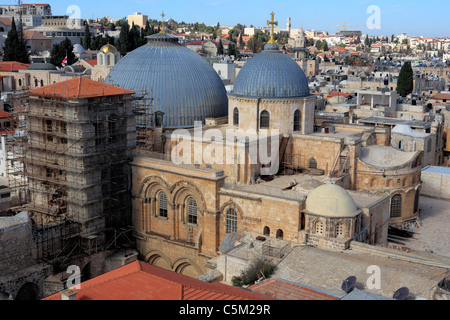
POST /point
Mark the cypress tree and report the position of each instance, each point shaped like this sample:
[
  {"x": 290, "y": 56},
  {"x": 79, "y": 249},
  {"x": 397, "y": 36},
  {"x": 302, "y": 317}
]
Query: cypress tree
[
  {"x": 87, "y": 37},
  {"x": 405, "y": 82},
  {"x": 220, "y": 48},
  {"x": 123, "y": 41},
  {"x": 60, "y": 51},
  {"x": 15, "y": 48}
]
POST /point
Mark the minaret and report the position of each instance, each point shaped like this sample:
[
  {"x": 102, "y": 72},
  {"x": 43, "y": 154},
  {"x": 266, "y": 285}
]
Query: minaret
[{"x": 289, "y": 26}]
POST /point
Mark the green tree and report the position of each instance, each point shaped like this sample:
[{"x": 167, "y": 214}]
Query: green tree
[
  {"x": 220, "y": 48},
  {"x": 260, "y": 268},
  {"x": 325, "y": 45},
  {"x": 123, "y": 42},
  {"x": 87, "y": 37},
  {"x": 15, "y": 48},
  {"x": 405, "y": 82},
  {"x": 62, "y": 50}
]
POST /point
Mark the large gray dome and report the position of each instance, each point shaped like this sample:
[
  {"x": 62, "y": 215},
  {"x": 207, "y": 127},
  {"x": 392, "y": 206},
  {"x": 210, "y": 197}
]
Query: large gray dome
[
  {"x": 182, "y": 84},
  {"x": 271, "y": 74}
]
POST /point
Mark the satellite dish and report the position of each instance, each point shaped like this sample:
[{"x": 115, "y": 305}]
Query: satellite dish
[
  {"x": 349, "y": 284},
  {"x": 401, "y": 294}
]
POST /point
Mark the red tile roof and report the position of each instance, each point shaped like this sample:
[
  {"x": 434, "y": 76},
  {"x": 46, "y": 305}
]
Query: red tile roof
[
  {"x": 78, "y": 88},
  {"x": 286, "y": 290},
  {"x": 10, "y": 66},
  {"x": 6, "y": 21},
  {"x": 340, "y": 94},
  {"x": 34, "y": 35},
  {"x": 4, "y": 114},
  {"x": 142, "y": 281},
  {"x": 36, "y": 5},
  {"x": 441, "y": 96},
  {"x": 92, "y": 62}
]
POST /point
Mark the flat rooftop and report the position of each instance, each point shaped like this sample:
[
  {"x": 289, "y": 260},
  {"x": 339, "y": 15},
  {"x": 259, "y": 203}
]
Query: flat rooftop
[
  {"x": 394, "y": 122},
  {"x": 298, "y": 187},
  {"x": 435, "y": 169}
]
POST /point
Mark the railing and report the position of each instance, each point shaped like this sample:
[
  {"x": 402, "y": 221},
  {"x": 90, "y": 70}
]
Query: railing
[{"x": 275, "y": 252}]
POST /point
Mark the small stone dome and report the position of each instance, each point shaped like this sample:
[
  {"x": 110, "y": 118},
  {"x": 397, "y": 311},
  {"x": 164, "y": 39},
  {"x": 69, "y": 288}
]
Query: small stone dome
[
  {"x": 78, "y": 48},
  {"x": 331, "y": 200},
  {"x": 108, "y": 48}
]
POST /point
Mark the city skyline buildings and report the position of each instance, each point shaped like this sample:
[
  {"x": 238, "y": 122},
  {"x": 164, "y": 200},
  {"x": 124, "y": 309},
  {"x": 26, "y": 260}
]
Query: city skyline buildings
[{"x": 412, "y": 18}]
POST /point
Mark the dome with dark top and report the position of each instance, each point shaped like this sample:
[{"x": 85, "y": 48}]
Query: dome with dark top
[
  {"x": 271, "y": 74},
  {"x": 181, "y": 83}
]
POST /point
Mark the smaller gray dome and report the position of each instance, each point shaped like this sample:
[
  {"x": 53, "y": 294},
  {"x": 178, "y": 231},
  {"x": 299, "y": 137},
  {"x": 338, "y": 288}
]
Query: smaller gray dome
[
  {"x": 41, "y": 66},
  {"x": 271, "y": 74},
  {"x": 78, "y": 48}
]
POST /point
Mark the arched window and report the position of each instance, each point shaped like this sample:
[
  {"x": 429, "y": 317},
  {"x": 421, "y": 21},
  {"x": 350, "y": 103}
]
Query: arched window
[
  {"x": 264, "y": 120},
  {"x": 192, "y": 210},
  {"x": 339, "y": 230},
  {"x": 231, "y": 220},
  {"x": 20, "y": 82},
  {"x": 280, "y": 234},
  {"x": 312, "y": 164},
  {"x": 319, "y": 227},
  {"x": 266, "y": 231},
  {"x": 162, "y": 204},
  {"x": 416, "y": 201},
  {"x": 297, "y": 120},
  {"x": 36, "y": 82},
  {"x": 235, "y": 117},
  {"x": 42, "y": 83},
  {"x": 396, "y": 206}
]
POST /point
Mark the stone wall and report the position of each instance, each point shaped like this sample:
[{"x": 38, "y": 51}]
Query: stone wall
[
  {"x": 18, "y": 270},
  {"x": 436, "y": 185}
]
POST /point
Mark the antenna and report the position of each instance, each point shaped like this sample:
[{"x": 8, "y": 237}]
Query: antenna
[
  {"x": 349, "y": 284},
  {"x": 401, "y": 294}
]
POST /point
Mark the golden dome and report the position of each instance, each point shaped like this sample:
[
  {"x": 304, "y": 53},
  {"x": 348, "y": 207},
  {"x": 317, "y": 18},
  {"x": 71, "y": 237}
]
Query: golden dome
[
  {"x": 332, "y": 201},
  {"x": 108, "y": 48}
]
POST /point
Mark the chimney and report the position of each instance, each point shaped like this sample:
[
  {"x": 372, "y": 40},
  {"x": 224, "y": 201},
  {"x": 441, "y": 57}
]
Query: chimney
[{"x": 68, "y": 294}]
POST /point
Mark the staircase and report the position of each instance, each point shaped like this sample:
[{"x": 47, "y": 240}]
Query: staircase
[{"x": 341, "y": 164}]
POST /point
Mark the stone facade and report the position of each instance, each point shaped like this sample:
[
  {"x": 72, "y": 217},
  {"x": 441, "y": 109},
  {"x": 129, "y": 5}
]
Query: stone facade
[{"x": 20, "y": 275}]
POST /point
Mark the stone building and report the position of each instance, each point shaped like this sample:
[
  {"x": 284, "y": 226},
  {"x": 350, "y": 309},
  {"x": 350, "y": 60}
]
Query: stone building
[
  {"x": 107, "y": 58},
  {"x": 21, "y": 276},
  {"x": 80, "y": 135},
  {"x": 183, "y": 211}
]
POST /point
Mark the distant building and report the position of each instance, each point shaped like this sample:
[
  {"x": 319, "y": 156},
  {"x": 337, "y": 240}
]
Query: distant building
[{"x": 138, "y": 20}]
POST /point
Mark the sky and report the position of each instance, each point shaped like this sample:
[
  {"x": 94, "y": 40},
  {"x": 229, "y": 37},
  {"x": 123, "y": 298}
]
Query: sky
[{"x": 413, "y": 17}]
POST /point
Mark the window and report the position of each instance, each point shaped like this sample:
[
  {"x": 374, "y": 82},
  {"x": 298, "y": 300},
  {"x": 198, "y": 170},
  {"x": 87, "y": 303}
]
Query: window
[
  {"x": 416, "y": 201},
  {"x": 396, "y": 206},
  {"x": 297, "y": 120},
  {"x": 339, "y": 230},
  {"x": 429, "y": 146},
  {"x": 231, "y": 221},
  {"x": 312, "y": 164},
  {"x": 162, "y": 204},
  {"x": 401, "y": 145},
  {"x": 236, "y": 117},
  {"x": 319, "y": 227},
  {"x": 192, "y": 211},
  {"x": 264, "y": 120},
  {"x": 266, "y": 231},
  {"x": 280, "y": 234}
]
